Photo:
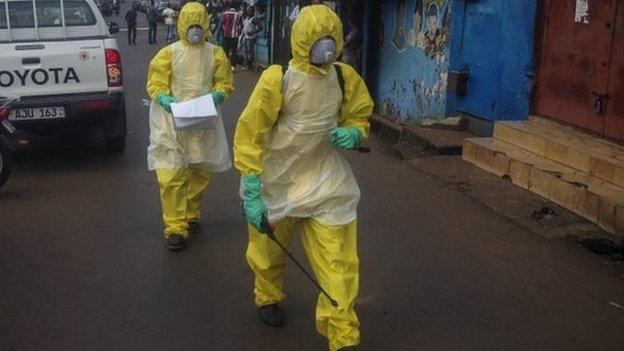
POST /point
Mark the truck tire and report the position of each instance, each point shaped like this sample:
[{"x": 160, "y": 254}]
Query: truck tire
[
  {"x": 115, "y": 131},
  {"x": 6, "y": 163}
]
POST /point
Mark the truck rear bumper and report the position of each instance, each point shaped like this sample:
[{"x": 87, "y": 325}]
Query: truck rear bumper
[{"x": 79, "y": 108}]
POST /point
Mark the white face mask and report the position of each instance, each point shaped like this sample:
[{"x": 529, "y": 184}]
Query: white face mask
[
  {"x": 195, "y": 35},
  {"x": 323, "y": 51}
]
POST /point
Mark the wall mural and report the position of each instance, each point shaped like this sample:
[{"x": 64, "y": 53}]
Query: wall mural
[
  {"x": 413, "y": 77},
  {"x": 430, "y": 28},
  {"x": 399, "y": 39}
]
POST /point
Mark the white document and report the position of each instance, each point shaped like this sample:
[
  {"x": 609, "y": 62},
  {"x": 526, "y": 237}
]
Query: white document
[{"x": 198, "y": 113}]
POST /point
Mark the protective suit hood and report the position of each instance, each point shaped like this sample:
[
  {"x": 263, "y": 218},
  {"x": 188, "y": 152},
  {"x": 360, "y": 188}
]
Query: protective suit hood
[
  {"x": 314, "y": 22},
  {"x": 193, "y": 14}
]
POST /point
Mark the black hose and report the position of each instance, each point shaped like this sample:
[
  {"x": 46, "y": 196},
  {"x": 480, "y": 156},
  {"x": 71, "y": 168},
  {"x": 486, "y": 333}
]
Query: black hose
[{"x": 269, "y": 232}]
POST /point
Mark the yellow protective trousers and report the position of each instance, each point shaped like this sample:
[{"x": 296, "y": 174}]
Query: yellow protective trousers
[
  {"x": 181, "y": 193},
  {"x": 332, "y": 251}
]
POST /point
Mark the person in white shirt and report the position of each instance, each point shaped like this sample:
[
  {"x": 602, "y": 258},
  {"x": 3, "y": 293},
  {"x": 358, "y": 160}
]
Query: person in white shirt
[
  {"x": 252, "y": 26},
  {"x": 302, "y": 3},
  {"x": 170, "y": 22}
]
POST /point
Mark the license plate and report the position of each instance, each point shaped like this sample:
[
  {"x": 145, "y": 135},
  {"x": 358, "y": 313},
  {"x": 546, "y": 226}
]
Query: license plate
[{"x": 27, "y": 114}]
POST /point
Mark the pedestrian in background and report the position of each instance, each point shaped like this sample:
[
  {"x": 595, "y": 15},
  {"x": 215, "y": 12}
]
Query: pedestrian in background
[
  {"x": 216, "y": 28},
  {"x": 169, "y": 15},
  {"x": 214, "y": 6},
  {"x": 231, "y": 24},
  {"x": 300, "y": 5},
  {"x": 131, "y": 23},
  {"x": 252, "y": 26},
  {"x": 152, "y": 22},
  {"x": 353, "y": 45},
  {"x": 116, "y": 6}
]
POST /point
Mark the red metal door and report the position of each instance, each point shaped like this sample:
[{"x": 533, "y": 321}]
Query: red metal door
[
  {"x": 574, "y": 68},
  {"x": 614, "y": 119}
]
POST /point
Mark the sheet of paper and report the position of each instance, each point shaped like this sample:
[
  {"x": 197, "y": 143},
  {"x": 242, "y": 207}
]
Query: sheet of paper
[
  {"x": 200, "y": 107},
  {"x": 194, "y": 123}
]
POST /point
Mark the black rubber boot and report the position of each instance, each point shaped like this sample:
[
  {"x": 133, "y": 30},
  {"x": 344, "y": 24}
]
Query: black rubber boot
[
  {"x": 272, "y": 315},
  {"x": 194, "y": 227},
  {"x": 175, "y": 242}
]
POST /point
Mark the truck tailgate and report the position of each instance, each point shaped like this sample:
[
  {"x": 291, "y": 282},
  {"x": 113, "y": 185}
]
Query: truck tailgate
[{"x": 53, "y": 68}]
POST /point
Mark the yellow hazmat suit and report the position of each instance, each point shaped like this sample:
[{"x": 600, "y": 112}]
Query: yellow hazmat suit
[
  {"x": 184, "y": 160},
  {"x": 283, "y": 136}
]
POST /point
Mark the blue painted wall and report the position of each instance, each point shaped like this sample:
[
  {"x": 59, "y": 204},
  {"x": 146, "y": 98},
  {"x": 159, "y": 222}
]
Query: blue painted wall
[
  {"x": 412, "y": 60},
  {"x": 494, "y": 41}
]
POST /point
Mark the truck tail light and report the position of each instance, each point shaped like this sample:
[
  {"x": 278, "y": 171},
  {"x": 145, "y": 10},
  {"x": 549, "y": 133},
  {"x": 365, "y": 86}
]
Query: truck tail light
[
  {"x": 96, "y": 104},
  {"x": 113, "y": 68},
  {"x": 4, "y": 113}
]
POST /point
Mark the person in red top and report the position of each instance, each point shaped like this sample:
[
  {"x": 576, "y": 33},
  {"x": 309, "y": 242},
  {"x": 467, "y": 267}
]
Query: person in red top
[{"x": 232, "y": 25}]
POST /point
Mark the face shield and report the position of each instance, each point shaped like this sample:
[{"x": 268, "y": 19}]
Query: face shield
[
  {"x": 195, "y": 35},
  {"x": 323, "y": 51}
]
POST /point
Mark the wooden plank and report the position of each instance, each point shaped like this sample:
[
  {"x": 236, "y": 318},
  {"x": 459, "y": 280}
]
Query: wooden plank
[
  {"x": 520, "y": 173},
  {"x": 489, "y": 160},
  {"x": 583, "y": 194},
  {"x": 566, "y": 145},
  {"x": 509, "y": 133}
]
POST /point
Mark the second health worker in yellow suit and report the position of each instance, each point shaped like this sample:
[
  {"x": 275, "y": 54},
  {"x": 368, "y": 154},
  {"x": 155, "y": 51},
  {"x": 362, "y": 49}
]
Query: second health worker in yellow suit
[{"x": 185, "y": 159}]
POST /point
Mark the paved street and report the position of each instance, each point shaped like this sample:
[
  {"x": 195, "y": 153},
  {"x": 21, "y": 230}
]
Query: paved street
[{"x": 84, "y": 265}]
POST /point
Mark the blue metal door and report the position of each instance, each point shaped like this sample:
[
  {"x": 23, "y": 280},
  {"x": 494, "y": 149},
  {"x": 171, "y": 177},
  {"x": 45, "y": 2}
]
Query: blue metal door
[{"x": 493, "y": 41}]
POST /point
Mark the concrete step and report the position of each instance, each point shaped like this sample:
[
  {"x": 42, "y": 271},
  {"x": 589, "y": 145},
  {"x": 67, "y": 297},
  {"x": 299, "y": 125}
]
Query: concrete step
[
  {"x": 566, "y": 145},
  {"x": 435, "y": 141},
  {"x": 386, "y": 128},
  {"x": 594, "y": 199},
  {"x": 456, "y": 123}
]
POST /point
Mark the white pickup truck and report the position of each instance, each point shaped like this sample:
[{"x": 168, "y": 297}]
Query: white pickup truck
[{"x": 59, "y": 56}]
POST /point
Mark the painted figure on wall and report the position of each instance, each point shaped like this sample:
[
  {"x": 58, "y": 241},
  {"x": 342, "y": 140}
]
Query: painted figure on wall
[
  {"x": 436, "y": 36},
  {"x": 399, "y": 39},
  {"x": 429, "y": 32},
  {"x": 416, "y": 33}
]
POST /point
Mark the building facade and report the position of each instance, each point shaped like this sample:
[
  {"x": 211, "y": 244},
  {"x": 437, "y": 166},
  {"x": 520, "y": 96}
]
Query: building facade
[
  {"x": 408, "y": 69},
  {"x": 499, "y": 60}
]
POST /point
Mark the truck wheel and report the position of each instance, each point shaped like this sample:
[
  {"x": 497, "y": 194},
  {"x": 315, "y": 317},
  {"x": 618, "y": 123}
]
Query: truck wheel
[
  {"x": 6, "y": 162},
  {"x": 115, "y": 133}
]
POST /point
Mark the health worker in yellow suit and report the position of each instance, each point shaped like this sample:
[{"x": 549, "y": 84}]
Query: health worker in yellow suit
[
  {"x": 185, "y": 159},
  {"x": 288, "y": 147}
]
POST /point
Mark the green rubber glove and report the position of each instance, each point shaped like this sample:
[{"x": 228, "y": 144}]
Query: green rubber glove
[
  {"x": 255, "y": 209},
  {"x": 218, "y": 97},
  {"x": 346, "y": 137},
  {"x": 165, "y": 100}
]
